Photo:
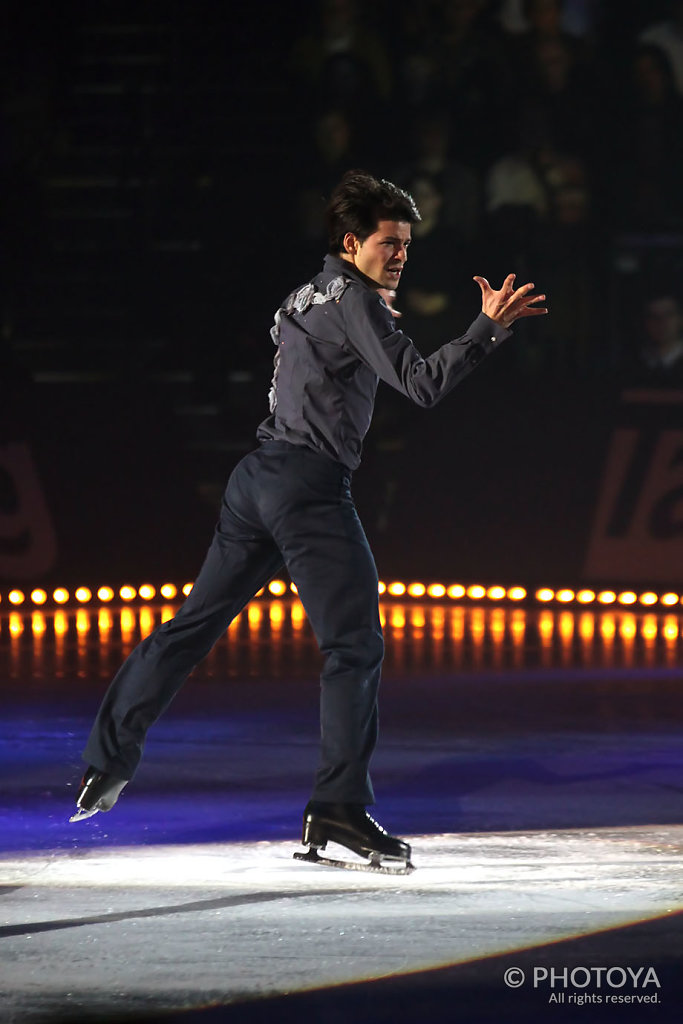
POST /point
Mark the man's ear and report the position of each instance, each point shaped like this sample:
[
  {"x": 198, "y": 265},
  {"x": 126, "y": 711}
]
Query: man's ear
[{"x": 351, "y": 243}]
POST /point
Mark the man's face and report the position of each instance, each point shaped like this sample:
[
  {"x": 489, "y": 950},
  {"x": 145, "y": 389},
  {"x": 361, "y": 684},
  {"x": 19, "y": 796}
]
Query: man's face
[{"x": 383, "y": 254}]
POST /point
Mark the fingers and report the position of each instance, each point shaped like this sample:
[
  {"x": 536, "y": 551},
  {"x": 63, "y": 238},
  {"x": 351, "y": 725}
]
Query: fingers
[
  {"x": 523, "y": 291},
  {"x": 526, "y": 311},
  {"x": 506, "y": 289},
  {"x": 522, "y": 298}
]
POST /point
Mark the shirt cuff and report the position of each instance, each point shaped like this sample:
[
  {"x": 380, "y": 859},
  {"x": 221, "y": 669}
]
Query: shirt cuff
[{"x": 487, "y": 333}]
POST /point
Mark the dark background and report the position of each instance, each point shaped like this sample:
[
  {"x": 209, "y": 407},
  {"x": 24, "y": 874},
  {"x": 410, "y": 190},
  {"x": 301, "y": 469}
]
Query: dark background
[{"x": 164, "y": 170}]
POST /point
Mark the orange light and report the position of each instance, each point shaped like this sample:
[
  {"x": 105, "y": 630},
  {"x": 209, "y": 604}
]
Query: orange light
[
  {"x": 607, "y": 597},
  {"x": 518, "y": 625},
  {"x": 398, "y": 619},
  {"x": 169, "y": 591},
  {"x": 516, "y": 593},
  {"x": 83, "y": 594},
  {"x": 293, "y": 588},
  {"x": 416, "y": 589},
  {"x": 16, "y": 597},
  {"x": 436, "y": 590},
  {"x": 276, "y": 613},
  {"x": 146, "y": 621},
  {"x": 104, "y": 620},
  {"x": 277, "y": 588},
  {"x": 648, "y": 598},
  {"x": 565, "y": 596},
  {"x": 38, "y": 596},
  {"x": 627, "y": 627},
  {"x": 417, "y": 618},
  {"x": 60, "y": 595},
  {"x": 545, "y": 594},
  {"x": 16, "y": 626},
  {"x": 649, "y": 627},
  {"x": 127, "y": 622},
  {"x": 82, "y": 621},
  {"x": 627, "y": 597},
  {"x": 669, "y": 599},
  {"x": 254, "y": 615},
  {"x": 476, "y": 592},
  {"x": 38, "y": 624},
  {"x": 187, "y": 589},
  {"x": 127, "y": 593},
  {"x": 498, "y": 625},
  {"x": 566, "y": 625},
  {"x": 546, "y": 625},
  {"x": 396, "y": 589},
  {"x": 456, "y": 591},
  {"x": 608, "y": 627},
  {"x": 61, "y": 624},
  {"x": 495, "y": 593},
  {"x": 381, "y": 587},
  {"x": 259, "y": 593},
  {"x": 298, "y": 614},
  {"x": 670, "y": 627},
  {"x": 585, "y": 596},
  {"x": 105, "y": 594},
  {"x": 146, "y": 592}
]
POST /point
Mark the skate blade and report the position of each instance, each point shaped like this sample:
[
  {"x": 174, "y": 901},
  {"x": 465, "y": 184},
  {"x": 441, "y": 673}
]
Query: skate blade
[
  {"x": 313, "y": 857},
  {"x": 81, "y": 814}
]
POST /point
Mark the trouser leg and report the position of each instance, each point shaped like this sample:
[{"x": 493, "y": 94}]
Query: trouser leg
[
  {"x": 241, "y": 559},
  {"x": 329, "y": 559}
]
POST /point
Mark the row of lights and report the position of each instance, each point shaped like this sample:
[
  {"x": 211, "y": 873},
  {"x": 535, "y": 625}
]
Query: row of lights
[
  {"x": 83, "y": 595},
  {"x": 278, "y": 588}
]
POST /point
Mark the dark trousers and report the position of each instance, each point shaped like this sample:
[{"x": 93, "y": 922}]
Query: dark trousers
[{"x": 283, "y": 505}]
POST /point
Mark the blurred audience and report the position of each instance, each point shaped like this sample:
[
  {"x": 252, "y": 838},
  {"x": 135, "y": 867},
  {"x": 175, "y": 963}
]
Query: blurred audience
[
  {"x": 534, "y": 133},
  {"x": 667, "y": 35},
  {"x": 658, "y": 361},
  {"x": 342, "y": 58},
  {"x": 648, "y": 144},
  {"x": 457, "y": 181},
  {"x": 435, "y": 279},
  {"x": 577, "y": 17},
  {"x": 331, "y": 154}
]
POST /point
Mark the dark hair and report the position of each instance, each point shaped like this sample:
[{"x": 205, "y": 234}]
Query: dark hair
[{"x": 360, "y": 201}]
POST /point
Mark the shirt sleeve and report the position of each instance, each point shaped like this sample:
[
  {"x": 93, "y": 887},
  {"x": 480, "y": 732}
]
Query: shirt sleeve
[{"x": 371, "y": 333}]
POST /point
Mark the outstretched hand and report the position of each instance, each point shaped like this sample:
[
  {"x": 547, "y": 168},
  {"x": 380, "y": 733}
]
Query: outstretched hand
[{"x": 509, "y": 304}]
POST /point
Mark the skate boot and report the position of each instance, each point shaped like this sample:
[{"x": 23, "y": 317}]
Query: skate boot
[
  {"x": 351, "y": 826},
  {"x": 99, "y": 792}
]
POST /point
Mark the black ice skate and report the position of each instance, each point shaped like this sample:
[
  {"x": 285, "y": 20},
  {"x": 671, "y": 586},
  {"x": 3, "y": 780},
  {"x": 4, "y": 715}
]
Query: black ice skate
[
  {"x": 99, "y": 792},
  {"x": 351, "y": 826}
]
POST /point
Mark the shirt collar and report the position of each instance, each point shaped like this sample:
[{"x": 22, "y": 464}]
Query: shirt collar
[{"x": 336, "y": 265}]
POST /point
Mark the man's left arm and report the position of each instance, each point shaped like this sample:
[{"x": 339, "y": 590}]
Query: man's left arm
[{"x": 394, "y": 358}]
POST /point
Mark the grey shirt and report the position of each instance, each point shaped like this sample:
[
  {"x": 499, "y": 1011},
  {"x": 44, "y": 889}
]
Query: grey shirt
[{"x": 336, "y": 338}]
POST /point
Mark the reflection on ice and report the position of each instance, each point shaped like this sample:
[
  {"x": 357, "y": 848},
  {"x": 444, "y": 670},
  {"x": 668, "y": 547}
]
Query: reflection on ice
[{"x": 435, "y": 636}]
